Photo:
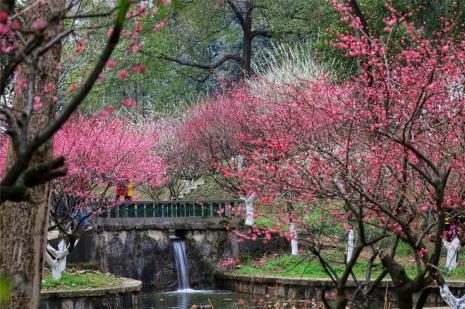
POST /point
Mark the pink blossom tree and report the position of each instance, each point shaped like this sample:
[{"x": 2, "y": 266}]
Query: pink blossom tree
[
  {"x": 384, "y": 148},
  {"x": 207, "y": 137},
  {"x": 100, "y": 151}
]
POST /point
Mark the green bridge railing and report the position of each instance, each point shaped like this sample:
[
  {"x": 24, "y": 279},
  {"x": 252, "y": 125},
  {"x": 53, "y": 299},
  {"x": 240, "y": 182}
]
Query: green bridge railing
[{"x": 170, "y": 209}]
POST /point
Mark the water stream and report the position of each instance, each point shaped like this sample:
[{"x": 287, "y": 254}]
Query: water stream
[
  {"x": 198, "y": 299},
  {"x": 181, "y": 265},
  {"x": 185, "y": 297}
]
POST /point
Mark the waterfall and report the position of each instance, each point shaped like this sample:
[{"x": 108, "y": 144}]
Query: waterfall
[{"x": 181, "y": 264}]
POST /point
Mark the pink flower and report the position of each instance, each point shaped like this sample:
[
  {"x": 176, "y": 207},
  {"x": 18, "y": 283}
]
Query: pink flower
[
  {"x": 107, "y": 111},
  {"x": 160, "y": 25},
  {"x": 37, "y": 104},
  {"x": 111, "y": 64},
  {"x": 38, "y": 24},
  {"x": 80, "y": 48},
  {"x": 128, "y": 102},
  {"x": 4, "y": 29},
  {"x": 422, "y": 252},
  {"x": 138, "y": 69},
  {"x": 259, "y": 262},
  {"x": 50, "y": 87},
  {"x": 241, "y": 302},
  {"x": 72, "y": 87},
  {"x": 3, "y": 17},
  {"x": 122, "y": 74}
]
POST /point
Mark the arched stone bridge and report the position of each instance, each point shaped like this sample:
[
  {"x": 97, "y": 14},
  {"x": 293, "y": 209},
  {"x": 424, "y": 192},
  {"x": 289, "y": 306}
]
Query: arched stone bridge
[{"x": 171, "y": 215}]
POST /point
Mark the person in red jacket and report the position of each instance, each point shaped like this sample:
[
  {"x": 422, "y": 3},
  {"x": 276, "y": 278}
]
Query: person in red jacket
[{"x": 124, "y": 188}]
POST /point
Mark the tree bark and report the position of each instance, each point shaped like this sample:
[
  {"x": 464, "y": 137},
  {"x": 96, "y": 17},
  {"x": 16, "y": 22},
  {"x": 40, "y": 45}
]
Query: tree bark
[
  {"x": 246, "y": 58},
  {"x": 404, "y": 287},
  {"x": 341, "y": 299},
  {"x": 422, "y": 299},
  {"x": 23, "y": 225}
]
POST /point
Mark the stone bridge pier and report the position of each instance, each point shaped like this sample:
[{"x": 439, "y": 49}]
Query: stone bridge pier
[{"x": 134, "y": 240}]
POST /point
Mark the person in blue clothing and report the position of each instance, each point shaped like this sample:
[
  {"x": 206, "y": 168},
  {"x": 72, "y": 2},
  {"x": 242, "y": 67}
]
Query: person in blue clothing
[{"x": 83, "y": 221}]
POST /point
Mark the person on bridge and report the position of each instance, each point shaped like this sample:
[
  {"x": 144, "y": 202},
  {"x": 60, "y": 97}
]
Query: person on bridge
[{"x": 124, "y": 188}]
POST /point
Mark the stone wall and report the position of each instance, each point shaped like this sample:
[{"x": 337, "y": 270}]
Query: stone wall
[
  {"x": 147, "y": 255},
  {"x": 142, "y": 255},
  {"x": 125, "y": 297},
  {"x": 141, "y": 248},
  {"x": 205, "y": 252},
  {"x": 258, "y": 247}
]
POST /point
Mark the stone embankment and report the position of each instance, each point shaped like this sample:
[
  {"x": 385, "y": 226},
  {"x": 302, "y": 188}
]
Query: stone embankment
[
  {"x": 302, "y": 288},
  {"x": 126, "y": 296}
]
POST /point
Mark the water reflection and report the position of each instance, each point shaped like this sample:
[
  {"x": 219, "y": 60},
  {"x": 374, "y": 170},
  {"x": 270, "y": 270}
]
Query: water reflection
[{"x": 203, "y": 299}]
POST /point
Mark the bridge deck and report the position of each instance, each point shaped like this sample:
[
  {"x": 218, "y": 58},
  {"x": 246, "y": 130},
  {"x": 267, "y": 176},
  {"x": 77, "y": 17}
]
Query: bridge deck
[
  {"x": 181, "y": 223},
  {"x": 171, "y": 215}
]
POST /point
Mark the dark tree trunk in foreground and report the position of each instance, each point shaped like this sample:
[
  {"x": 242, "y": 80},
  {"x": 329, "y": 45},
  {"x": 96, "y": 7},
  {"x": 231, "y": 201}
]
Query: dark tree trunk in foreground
[
  {"x": 23, "y": 225},
  {"x": 404, "y": 287}
]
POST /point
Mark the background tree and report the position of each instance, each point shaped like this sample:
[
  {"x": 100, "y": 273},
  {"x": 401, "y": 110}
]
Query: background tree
[
  {"x": 100, "y": 151},
  {"x": 386, "y": 143}
]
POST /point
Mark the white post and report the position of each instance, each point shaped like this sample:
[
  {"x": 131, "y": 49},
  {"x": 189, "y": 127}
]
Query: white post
[
  {"x": 450, "y": 299},
  {"x": 249, "y": 214},
  {"x": 56, "y": 259},
  {"x": 452, "y": 251},
  {"x": 249, "y": 208},
  {"x": 350, "y": 245},
  {"x": 239, "y": 162},
  {"x": 294, "y": 244},
  {"x": 248, "y": 199}
]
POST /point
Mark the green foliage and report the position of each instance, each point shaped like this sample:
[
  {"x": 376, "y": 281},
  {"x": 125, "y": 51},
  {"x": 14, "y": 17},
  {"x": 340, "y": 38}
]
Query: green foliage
[
  {"x": 263, "y": 222},
  {"x": 298, "y": 266},
  {"x": 403, "y": 249},
  {"x": 308, "y": 267},
  {"x": 202, "y": 31},
  {"x": 123, "y": 6},
  {"x": 209, "y": 190},
  {"x": 319, "y": 219},
  {"x": 81, "y": 281},
  {"x": 4, "y": 290}
]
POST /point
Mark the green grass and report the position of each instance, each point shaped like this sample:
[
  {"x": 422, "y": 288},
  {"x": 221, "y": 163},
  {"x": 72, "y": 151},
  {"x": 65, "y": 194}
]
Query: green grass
[
  {"x": 88, "y": 280},
  {"x": 294, "y": 266},
  {"x": 4, "y": 290},
  {"x": 305, "y": 267}
]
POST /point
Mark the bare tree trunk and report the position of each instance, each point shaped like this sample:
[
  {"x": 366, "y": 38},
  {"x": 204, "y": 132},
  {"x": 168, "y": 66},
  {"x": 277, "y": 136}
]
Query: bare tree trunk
[
  {"x": 23, "y": 226},
  {"x": 247, "y": 40}
]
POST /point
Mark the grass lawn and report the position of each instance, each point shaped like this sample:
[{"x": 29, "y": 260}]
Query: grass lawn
[
  {"x": 77, "y": 281},
  {"x": 305, "y": 267}
]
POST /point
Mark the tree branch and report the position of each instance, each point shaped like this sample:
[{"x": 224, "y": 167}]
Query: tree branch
[
  {"x": 23, "y": 158},
  {"x": 358, "y": 13},
  {"x": 203, "y": 66},
  {"x": 237, "y": 12}
]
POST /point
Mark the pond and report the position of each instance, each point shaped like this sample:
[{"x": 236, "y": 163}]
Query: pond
[{"x": 185, "y": 299}]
